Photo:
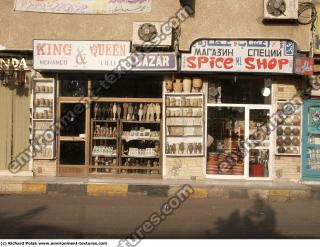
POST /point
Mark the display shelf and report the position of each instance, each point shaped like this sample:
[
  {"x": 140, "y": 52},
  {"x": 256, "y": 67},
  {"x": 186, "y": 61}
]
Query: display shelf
[
  {"x": 127, "y": 139},
  {"x": 43, "y": 119},
  {"x": 103, "y": 161},
  {"x": 140, "y": 122},
  {"x": 103, "y": 167},
  {"x": 184, "y": 94},
  {"x": 105, "y": 121},
  {"x": 104, "y": 138},
  {"x": 184, "y": 116},
  {"x": 43, "y": 105},
  {"x": 140, "y": 157},
  {"x": 259, "y": 148},
  {"x": 138, "y": 168},
  {"x": 288, "y": 129},
  {"x": 184, "y": 123},
  {"x": 200, "y": 107},
  {"x": 105, "y": 155},
  {"x": 124, "y": 135},
  {"x": 183, "y": 136},
  {"x": 184, "y": 155},
  {"x": 137, "y": 175}
]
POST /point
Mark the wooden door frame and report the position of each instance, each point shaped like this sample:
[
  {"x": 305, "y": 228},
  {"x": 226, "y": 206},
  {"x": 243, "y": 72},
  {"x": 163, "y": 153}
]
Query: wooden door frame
[{"x": 68, "y": 168}]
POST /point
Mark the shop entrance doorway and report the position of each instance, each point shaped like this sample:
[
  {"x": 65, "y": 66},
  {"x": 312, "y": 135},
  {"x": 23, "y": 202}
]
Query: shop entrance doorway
[
  {"x": 73, "y": 146},
  {"x": 110, "y": 130},
  {"x": 311, "y": 141},
  {"x": 239, "y": 140}
]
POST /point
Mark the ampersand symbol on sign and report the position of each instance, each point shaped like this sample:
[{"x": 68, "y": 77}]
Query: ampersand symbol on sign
[{"x": 81, "y": 57}]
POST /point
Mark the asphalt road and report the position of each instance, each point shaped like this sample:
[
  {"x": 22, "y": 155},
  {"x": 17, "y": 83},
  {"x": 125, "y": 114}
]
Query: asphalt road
[{"x": 117, "y": 217}]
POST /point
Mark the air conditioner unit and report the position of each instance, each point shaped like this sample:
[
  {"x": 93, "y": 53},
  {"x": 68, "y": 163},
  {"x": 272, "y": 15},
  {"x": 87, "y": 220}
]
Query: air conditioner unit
[
  {"x": 281, "y": 9},
  {"x": 152, "y": 34}
]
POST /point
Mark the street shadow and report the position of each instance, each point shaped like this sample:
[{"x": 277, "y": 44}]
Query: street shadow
[
  {"x": 18, "y": 227},
  {"x": 257, "y": 222}
]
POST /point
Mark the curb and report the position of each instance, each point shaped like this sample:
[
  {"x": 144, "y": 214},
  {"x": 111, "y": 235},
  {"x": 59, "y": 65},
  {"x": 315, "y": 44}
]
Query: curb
[
  {"x": 107, "y": 189},
  {"x": 34, "y": 188},
  {"x": 200, "y": 192}
]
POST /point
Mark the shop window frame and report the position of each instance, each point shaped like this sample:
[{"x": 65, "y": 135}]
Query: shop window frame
[{"x": 247, "y": 108}]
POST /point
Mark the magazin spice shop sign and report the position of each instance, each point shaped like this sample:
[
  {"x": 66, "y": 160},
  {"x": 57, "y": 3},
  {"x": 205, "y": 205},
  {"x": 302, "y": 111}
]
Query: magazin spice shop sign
[
  {"x": 262, "y": 56},
  {"x": 79, "y": 55},
  {"x": 85, "y": 6}
]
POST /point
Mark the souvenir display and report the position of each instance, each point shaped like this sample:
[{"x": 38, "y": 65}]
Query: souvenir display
[
  {"x": 187, "y": 85},
  {"x": 184, "y": 85},
  {"x": 104, "y": 151},
  {"x": 127, "y": 111},
  {"x": 43, "y": 117},
  {"x": 177, "y": 86},
  {"x": 288, "y": 134},
  {"x": 104, "y": 145},
  {"x": 226, "y": 163},
  {"x": 140, "y": 151},
  {"x": 184, "y": 148},
  {"x": 197, "y": 84},
  {"x": 132, "y": 165},
  {"x": 184, "y": 122},
  {"x": 126, "y": 139}
]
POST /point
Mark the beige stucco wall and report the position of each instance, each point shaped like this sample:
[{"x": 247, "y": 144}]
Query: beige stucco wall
[
  {"x": 213, "y": 19},
  {"x": 238, "y": 19},
  {"x": 18, "y": 29},
  {"x": 287, "y": 167}
]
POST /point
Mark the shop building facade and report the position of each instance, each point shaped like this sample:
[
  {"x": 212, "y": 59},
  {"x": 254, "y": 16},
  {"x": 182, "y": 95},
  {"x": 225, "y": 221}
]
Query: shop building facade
[{"x": 212, "y": 104}]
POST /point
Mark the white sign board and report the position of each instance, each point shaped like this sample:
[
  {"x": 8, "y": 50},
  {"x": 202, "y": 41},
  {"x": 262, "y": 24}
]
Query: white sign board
[
  {"x": 259, "y": 56},
  {"x": 79, "y": 55},
  {"x": 85, "y": 6}
]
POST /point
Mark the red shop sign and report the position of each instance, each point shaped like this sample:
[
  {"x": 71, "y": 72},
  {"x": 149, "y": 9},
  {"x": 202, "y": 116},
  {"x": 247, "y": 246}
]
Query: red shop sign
[{"x": 303, "y": 66}]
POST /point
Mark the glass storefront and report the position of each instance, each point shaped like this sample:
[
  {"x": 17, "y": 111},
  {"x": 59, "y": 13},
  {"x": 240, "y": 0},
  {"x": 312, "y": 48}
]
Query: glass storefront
[{"x": 238, "y": 131}]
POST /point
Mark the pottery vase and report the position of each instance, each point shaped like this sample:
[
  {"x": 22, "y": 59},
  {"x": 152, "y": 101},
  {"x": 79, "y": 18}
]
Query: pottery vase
[
  {"x": 296, "y": 120},
  {"x": 177, "y": 86},
  {"x": 167, "y": 101},
  {"x": 181, "y": 148},
  {"x": 187, "y": 84},
  {"x": 197, "y": 84},
  {"x": 157, "y": 148},
  {"x": 183, "y": 101},
  {"x": 190, "y": 148},
  {"x": 169, "y": 85},
  {"x": 125, "y": 110}
]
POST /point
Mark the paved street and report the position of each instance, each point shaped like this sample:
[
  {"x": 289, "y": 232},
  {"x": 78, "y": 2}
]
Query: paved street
[{"x": 115, "y": 217}]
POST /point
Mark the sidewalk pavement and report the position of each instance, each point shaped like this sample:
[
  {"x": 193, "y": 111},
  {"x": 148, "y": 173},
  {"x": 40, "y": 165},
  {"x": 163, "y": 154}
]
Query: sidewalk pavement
[{"x": 206, "y": 188}]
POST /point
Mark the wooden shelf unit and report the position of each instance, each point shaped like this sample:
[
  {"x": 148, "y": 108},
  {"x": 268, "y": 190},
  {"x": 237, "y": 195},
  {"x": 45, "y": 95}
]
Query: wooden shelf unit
[
  {"x": 172, "y": 139},
  {"x": 118, "y": 168},
  {"x": 43, "y": 92}
]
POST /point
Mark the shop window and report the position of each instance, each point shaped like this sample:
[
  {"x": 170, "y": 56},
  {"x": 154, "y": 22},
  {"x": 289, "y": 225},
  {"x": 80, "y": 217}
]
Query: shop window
[
  {"x": 259, "y": 143},
  {"x": 72, "y": 119},
  {"x": 72, "y": 152},
  {"x": 226, "y": 140},
  {"x": 73, "y": 87},
  {"x": 129, "y": 87},
  {"x": 242, "y": 90}
]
